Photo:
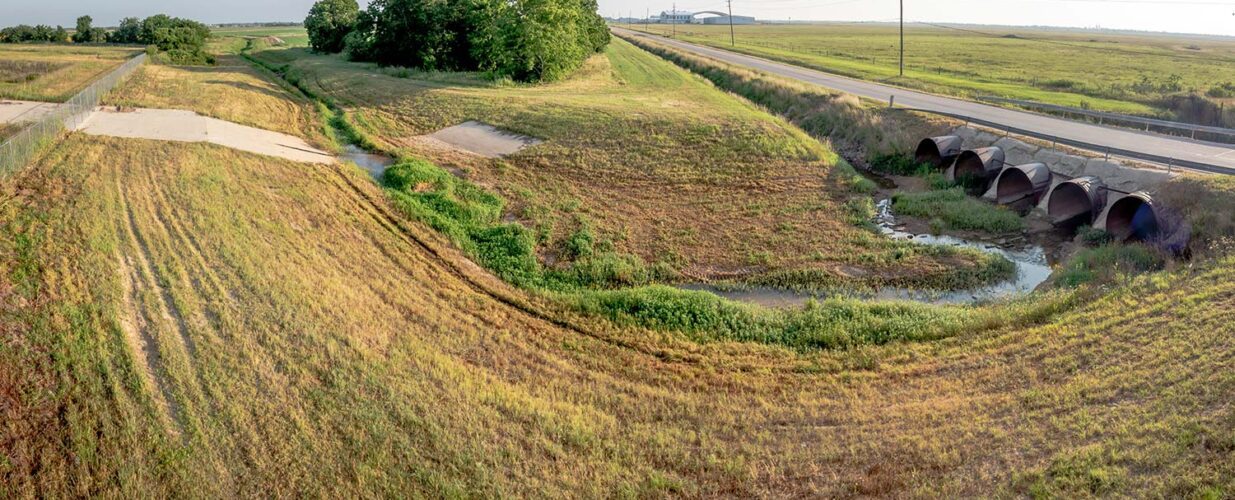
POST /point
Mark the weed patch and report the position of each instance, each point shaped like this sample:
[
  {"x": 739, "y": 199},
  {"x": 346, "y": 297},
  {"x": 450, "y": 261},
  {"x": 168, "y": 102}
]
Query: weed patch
[{"x": 958, "y": 211}]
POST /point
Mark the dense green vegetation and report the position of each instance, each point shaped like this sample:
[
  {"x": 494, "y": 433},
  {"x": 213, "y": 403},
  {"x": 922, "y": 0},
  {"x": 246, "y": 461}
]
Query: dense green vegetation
[
  {"x": 954, "y": 209},
  {"x": 26, "y": 33},
  {"x": 329, "y": 22},
  {"x": 525, "y": 40},
  {"x": 180, "y": 41},
  {"x": 1162, "y": 75}
]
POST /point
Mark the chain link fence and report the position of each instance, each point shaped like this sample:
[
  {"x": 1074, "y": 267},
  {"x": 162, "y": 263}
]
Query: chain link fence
[{"x": 20, "y": 149}]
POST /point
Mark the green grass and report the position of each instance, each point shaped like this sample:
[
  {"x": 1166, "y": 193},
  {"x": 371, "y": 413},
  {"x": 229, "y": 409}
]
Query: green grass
[
  {"x": 1108, "y": 263},
  {"x": 624, "y": 131},
  {"x": 958, "y": 210},
  {"x": 313, "y": 341},
  {"x": 1098, "y": 70},
  {"x": 340, "y": 351}
]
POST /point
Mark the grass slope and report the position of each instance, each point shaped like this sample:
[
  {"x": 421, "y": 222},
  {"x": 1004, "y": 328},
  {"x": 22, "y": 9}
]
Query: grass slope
[
  {"x": 649, "y": 159},
  {"x": 232, "y": 91},
  {"x": 181, "y": 319},
  {"x": 1101, "y": 71}
]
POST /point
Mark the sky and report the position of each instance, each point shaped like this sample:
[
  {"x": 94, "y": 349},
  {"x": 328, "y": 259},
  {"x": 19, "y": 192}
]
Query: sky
[{"x": 1181, "y": 16}]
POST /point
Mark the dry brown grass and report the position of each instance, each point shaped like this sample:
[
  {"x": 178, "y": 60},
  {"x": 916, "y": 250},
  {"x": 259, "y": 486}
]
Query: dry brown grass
[
  {"x": 67, "y": 69},
  {"x": 314, "y": 343},
  {"x": 232, "y": 91}
]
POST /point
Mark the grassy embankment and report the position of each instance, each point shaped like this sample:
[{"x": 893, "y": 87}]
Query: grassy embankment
[
  {"x": 1105, "y": 71},
  {"x": 868, "y": 134},
  {"x": 54, "y": 73},
  {"x": 181, "y": 319},
  {"x": 184, "y": 319},
  {"x": 646, "y": 173},
  {"x": 233, "y": 90}
]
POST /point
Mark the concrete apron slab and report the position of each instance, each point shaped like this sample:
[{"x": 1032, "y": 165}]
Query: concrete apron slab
[
  {"x": 24, "y": 111},
  {"x": 482, "y": 139},
  {"x": 187, "y": 126}
]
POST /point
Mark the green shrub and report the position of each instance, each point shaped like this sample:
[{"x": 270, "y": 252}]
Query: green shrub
[
  {"x": 1094, "y": 237},
  {"x": 471, "y": 218},
  {"x": 1105, "y": 263},
  {"x": 896, "y": 164}
]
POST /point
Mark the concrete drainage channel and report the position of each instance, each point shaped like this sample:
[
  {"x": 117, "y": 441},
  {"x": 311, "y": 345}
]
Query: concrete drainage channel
[{"x": 1069, "y": 200}]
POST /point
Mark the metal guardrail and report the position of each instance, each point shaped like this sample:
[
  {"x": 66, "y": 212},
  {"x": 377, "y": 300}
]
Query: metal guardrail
[
  {"x": 1163, "y": 160},
  {"x": 21, "y": 148},
  {"x": 1115, "y": 117}
]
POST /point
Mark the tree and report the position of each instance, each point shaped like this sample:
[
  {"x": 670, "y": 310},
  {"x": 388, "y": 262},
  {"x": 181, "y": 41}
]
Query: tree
[
  {"x": 527, "y": 40},
  {"x": 86, "y": 32},
  {"x": 129, "y": 31},
  {"x": 329, "y": 23}
]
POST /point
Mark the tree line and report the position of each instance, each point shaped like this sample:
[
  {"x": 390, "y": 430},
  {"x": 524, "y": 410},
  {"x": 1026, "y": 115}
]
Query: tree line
[
  {"x": 524, "y": 40},
  {"x": 182, "y": 40}
]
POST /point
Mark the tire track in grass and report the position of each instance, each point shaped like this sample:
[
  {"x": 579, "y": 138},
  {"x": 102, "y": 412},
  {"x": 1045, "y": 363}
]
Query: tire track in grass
[
  {"x": 206, "y": 282},
  {"x": 137, "y": 326},
  {"x": 380, "y": 211}
]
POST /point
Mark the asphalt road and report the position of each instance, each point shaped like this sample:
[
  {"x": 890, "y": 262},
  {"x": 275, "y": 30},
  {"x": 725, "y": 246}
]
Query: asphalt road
[{"x": 1096, "y": 137}]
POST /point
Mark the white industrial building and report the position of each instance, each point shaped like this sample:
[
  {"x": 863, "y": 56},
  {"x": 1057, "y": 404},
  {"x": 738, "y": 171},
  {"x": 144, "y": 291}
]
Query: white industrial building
[{"x": 682, "y": 17}]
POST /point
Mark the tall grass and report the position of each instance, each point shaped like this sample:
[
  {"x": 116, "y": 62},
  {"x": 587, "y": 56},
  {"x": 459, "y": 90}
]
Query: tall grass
[{"x": 958, "y": 211}]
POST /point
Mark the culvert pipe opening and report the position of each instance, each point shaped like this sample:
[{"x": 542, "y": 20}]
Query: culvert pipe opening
[
  {"x": 1022, "y": 184},
  {"x": 938, "y": 152},
  {"x": 1133, "y": 218},
  {"x": 977, "y": 168},
  {"x": 1076, "y": 202}
]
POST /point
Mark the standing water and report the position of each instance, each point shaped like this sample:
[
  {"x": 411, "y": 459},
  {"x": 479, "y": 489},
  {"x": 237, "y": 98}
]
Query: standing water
[
  {"x": 1031, "y": 263},
  {"x": 373, "y": 163}
]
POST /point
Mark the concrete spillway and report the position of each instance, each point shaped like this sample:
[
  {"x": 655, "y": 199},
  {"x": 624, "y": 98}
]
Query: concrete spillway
[
  {"x": 1076, "y": 202},
  {"x": 939, "y": 152},
  {"x": 977, "y": 168},
  {"x": 1022, "y": 185},
  {"x": 1133, "y": 218}
]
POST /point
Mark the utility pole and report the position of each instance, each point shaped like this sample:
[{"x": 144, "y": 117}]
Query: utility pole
[
  {"x": 732, "y": 41},
  {"x": 647, "y": 17},
  {"x": 902, "y": 38},
  {"x": 673, "y": 18}
]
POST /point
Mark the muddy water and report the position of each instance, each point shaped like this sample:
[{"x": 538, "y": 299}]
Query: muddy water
[
  {"x": 1032, "y": 268},
  {"x": 375, "y": 164}
]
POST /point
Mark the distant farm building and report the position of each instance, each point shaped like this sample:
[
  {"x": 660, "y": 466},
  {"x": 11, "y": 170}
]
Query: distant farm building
[{"x": 705, "y": 17}]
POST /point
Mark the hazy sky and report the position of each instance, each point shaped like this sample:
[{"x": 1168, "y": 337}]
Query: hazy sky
[{"x": 1186, "y": 16}]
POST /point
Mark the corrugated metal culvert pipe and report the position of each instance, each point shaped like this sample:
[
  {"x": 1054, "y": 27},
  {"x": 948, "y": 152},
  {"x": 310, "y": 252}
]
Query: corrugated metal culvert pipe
[{"x": 938, "y": 152}]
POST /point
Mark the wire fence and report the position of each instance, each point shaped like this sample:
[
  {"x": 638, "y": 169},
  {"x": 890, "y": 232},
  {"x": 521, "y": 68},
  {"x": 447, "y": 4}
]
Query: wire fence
[{"x": 19, "y": 150}]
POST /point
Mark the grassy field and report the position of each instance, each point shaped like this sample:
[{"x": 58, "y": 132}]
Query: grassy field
[
  {"x": 168, "y": 329},
  {"x": 236, "y": 40},
  {"x": 54, "y": 73},
  {"x": 233, "y": 90},
  {"x": 1100, "y": 70},
  {"x": 648, "y": 161}
]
